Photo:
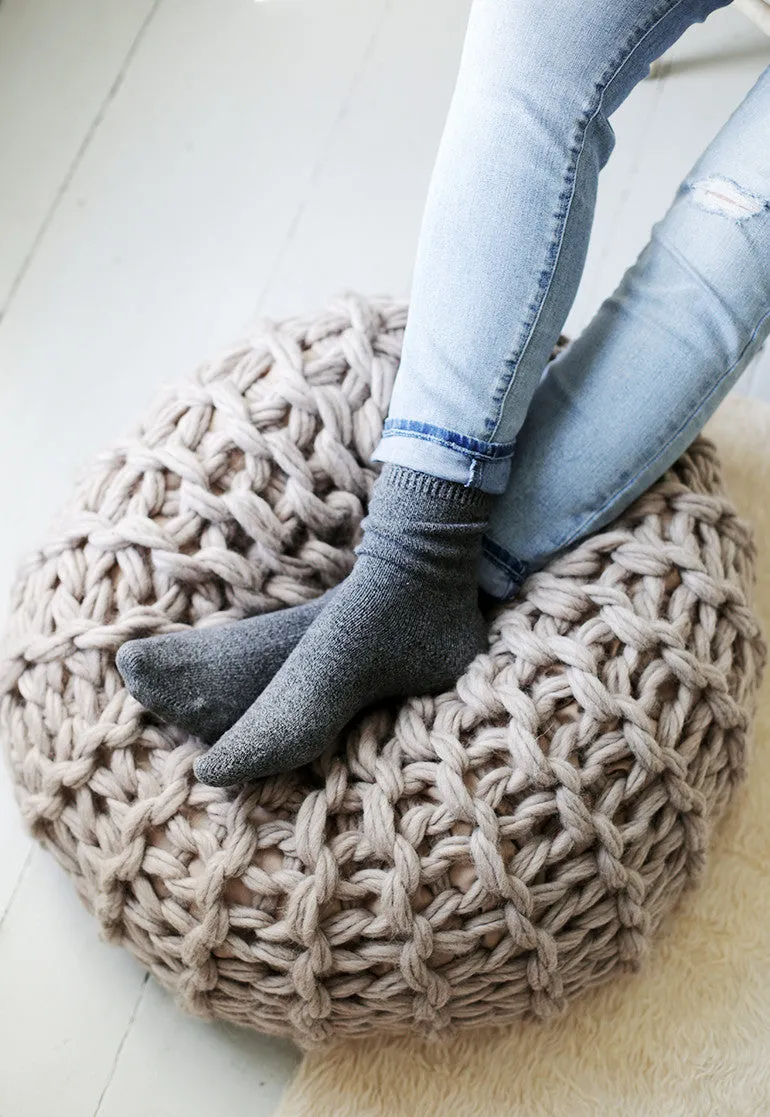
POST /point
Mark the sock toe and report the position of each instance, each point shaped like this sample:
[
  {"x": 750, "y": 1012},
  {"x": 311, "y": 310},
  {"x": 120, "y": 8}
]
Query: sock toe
[
  {"x": 160, "y": 682},
  {"x": 131, "y": 662},
  {"x": 226, "y": 764}
]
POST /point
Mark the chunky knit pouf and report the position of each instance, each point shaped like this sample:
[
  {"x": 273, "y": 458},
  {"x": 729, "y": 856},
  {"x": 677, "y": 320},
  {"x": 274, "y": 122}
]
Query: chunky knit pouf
[{"x": 455, "y": 860}]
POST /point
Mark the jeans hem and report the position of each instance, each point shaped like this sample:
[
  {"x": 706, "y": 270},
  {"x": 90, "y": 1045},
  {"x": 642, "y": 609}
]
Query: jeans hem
[
  {"x": 445, "y": 453},
  {"x": 501, "y": 574}
]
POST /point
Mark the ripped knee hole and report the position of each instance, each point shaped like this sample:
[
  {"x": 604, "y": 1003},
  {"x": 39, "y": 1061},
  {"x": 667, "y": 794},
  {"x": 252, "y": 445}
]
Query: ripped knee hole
[{"x": 720, "y": 195}]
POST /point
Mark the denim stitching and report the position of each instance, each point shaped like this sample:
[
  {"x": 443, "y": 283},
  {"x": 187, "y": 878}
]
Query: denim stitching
[
  {"x": 545, "y": 279},
  {"x": 499, "y": 557},
  {"x": 586, "y": 525},
  {"x": 450, "y": 440}
]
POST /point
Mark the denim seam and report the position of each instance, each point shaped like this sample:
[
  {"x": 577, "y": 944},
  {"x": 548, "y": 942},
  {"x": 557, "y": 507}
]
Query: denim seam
[
  {"x": 478, "y": 451},
  {"x": 632, "y": 44},
  {"x": 586, "y": 525},
  {"x": 504, "y": 561}
]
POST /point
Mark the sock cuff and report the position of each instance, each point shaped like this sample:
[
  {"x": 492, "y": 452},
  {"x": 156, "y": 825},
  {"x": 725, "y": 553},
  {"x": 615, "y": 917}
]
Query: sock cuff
[{"x": 400, "y": 478}]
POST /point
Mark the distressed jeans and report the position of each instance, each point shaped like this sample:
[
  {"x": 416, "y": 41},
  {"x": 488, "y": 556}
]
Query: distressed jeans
[{"x": 567, "y": 446}]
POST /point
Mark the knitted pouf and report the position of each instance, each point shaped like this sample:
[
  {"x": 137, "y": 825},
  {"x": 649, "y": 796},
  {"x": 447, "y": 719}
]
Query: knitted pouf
[{"x": 455, "y": 860}]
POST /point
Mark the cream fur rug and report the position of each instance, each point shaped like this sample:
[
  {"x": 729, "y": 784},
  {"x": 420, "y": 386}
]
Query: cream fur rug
[{"x": 689, "y": 1036}]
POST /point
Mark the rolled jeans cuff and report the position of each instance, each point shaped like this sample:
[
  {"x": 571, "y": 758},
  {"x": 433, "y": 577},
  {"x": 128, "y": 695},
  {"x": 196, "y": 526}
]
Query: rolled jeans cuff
[
  {"x": 500, "y": 573},
  {"x": 444, "y": 453}
]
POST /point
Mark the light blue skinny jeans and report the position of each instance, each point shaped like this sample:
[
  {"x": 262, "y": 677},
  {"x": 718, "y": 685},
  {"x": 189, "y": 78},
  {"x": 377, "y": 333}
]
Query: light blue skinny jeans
[{"x": 500, "y": 255}]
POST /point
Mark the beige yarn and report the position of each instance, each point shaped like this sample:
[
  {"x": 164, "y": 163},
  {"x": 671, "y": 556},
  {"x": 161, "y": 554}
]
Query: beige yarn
[{"x": 458, "y": 860}]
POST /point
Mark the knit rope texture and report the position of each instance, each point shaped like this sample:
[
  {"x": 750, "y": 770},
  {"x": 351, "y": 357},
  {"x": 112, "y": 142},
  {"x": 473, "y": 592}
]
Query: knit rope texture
[{"x": 456, "y": 860}]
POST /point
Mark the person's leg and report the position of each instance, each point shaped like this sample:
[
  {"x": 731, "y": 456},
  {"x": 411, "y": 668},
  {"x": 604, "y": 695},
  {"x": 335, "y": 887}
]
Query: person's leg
[
  {"x": 508, "y": 218},
  {"x": 625, "y": 400},
  {"x": 501, "y": 250}
]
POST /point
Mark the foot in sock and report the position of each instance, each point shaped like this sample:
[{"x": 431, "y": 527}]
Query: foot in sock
[
  {"x": 204, "y": 679},
  {"x": 405, "y": 621}
]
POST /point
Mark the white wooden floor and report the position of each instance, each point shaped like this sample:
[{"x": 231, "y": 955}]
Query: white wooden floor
[{"x": 169, "y": 167}]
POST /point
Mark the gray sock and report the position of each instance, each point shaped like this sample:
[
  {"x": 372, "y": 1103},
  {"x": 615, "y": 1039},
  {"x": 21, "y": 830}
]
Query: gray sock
[
  {"x": 205, "y": 678},
  {"x": 405, "y": 621}
]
